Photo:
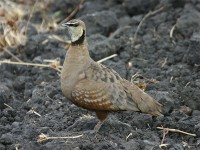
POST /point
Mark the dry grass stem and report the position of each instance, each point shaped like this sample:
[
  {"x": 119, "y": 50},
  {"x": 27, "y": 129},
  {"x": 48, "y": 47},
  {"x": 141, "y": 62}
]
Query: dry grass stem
[
  {"x": 55, "y": 64},
  {"x": 187, "y": 84},
  {"x": 43, "y": 137},
  {"x": 175, "y": 130},
  {"x": 16, "y": 147},
  {"x": 106, "y": 58},
  {"x": 166, "y": 131},
  {"x": 151, "y": 13},
  {"x": 10, "y": 35},
  {"x": 196, "y": 65},
  {"x": 171, "y": 79},
  {"x": 55, "y": 37},
  {"x": 8, "y": 106},
  {"x": 164, "y": 63},
  {"x": 52, "y": 65},
  {"x": 34, "y": 112},
  {"x": 172, "y": 31},
  {"x": 30, "y": 16},
  {"x": 163, "y": 145},
  {"x": 11, "y": 10},
  {"x": 130, "y": 134},
  {"x": 136, "y": 75}
]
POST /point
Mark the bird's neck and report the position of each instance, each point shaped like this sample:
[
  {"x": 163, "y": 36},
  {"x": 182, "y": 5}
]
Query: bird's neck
[
  {"x": 76, "y": 61},
  {"x": 78, "y": 53}
]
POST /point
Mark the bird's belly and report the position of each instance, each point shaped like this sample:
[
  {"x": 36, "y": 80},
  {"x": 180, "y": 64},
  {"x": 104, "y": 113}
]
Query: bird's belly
[
  {"x": 67, "y": 86},
  {"x": 96, "y": 104}
]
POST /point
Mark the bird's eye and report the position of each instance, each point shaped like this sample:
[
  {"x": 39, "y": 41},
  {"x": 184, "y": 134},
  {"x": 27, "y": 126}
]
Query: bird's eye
[
  {"x": 70, "y": 24},
  {"x": 74, "y": 24}
]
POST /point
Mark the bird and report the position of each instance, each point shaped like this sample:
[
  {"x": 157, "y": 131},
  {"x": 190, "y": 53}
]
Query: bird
[{"x": 93, "y": 86}]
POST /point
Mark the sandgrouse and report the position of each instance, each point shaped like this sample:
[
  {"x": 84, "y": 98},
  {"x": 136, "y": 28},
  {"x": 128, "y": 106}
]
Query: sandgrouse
[{"x": 93, "y": 86}]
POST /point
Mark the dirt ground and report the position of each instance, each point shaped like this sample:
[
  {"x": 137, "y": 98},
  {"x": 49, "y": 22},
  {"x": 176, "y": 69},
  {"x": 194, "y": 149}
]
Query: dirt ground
[{"x": 157, "y": 43}]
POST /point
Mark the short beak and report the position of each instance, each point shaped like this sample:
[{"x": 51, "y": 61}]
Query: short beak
[{"x": 65, "y": 24}]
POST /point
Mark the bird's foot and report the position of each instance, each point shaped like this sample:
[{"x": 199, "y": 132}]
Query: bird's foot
[
  {"x": 76, "y": 123},
  {"x": 96, "y": 128},
  {"x": 115, "y": 121},
  {"x": 123, "y": 123}
]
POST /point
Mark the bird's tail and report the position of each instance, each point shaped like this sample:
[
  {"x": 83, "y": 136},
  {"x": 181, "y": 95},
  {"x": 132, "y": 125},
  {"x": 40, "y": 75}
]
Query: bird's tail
[{"x": 144, "y": 102}]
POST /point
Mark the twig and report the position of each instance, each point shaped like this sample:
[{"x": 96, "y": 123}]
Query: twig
[
  {"x": 171, "y": 33},
  {"x": 196, "y": 65},
  {"x": 164, "y": 62},
  {"x": 11, "y": 54},
  {"x": 137, "y": 74},
  {"x": 55, "y": 37},
  {"x": 34, "y": 112},
  {"x": 176, "y": 130},
  {"x": 8, "y": 106},
  {"x": 130, "y": 134},
  {"x": 163, "y": 145},
  {"x": 151, "y": 13},
  {"x": 73, "y": 13},
  {"x": 32, "y": 64},
  {"x": 54, "y": 64},
  {"x": 43, "y": 137},
  {"x": 133, "y": 77},
  {"x": 106, "y": 58},
  {"x": 16, "y": 146},
  {"x": 171, "y": 79},
  {"x": 187, "y": 84},
  {"x": 165, "y": 132}
]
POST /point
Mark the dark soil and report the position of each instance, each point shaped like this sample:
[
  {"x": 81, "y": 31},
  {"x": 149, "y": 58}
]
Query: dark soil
[{"x": 172, "y": 61}]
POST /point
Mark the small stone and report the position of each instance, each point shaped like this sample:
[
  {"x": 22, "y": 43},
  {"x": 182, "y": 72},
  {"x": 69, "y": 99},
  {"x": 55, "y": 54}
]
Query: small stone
[
  {"x": 4, "y": 95},
  {"x": 196, "y": 113},
  {"x": 193, "y": 56}
]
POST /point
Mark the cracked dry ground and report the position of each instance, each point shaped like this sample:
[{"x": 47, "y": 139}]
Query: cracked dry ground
[{"x": 165, "y": 54}]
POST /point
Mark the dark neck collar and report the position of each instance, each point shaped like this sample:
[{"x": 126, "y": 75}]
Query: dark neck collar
[{"x": 80, "y": 40}]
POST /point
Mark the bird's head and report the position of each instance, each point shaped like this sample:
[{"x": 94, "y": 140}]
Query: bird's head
[{"x": 76, "y": 29}]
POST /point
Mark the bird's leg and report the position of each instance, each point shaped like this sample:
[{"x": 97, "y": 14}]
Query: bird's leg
[
  {"x": 98, "y": 126},
  {"x": 77, "y": 122},
  {"x": 101, "y": 115}
]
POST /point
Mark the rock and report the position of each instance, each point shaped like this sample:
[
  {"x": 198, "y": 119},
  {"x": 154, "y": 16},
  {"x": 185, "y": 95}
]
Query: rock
[
  {"x": 6, "y": 138},
  {"x": 2, "y": 147},
  {"x": 186, "y": 24},
  {"x": 90, "y": 7},
  {"x": 192, "y": 56},
  {"x": 139, "y": 6},
  {"x": 19, "y": 83},
  {"x": 101, "y": 47},
  {"x": 4, "y": 95},
  {"x": 131, "y": 144},
  {"x": 178, "y": 3},
  {"x": 164, "y": 98},
  {"x": 104, "y": 22},
  {"x": 196, "y": 113}
]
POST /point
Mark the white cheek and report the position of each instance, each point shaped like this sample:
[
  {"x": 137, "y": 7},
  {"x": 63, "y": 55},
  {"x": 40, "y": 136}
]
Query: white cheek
[
  {"x": 74, "y": 38},
  {"x": 76, "y": 34}
]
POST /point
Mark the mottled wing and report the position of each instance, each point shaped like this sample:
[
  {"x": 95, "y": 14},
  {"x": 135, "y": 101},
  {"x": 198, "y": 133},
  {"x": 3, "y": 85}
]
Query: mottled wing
[{"x": 101, "y": 89}]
